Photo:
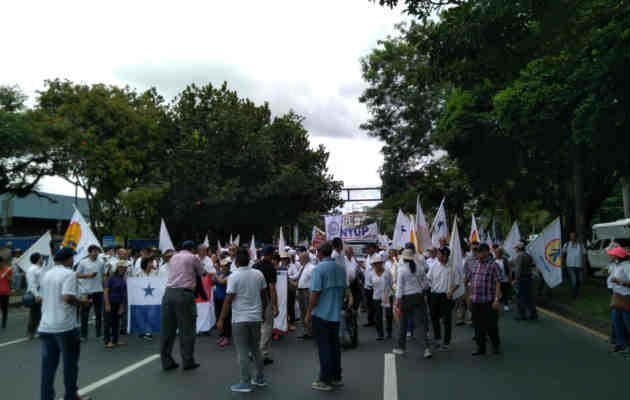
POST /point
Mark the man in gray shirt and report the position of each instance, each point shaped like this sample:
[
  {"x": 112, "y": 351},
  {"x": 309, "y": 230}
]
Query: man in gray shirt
[{"x": 522, "y": 269}]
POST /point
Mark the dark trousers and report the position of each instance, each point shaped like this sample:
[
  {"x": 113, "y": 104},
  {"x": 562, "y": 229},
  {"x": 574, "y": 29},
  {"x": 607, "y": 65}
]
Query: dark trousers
[
  {"x": 112, "y": 323},
  {"x": 227, "y": 324},
  {"x": 291, "y": 304},
  {"x": 486, "y": 320},
  {"x": 371, "y": 308},
  {"x": 68, "y": 346},
  {"x": 506, "y": 293},
  {"x": 441, "y": 308},
  {"x": 4, "y": 308},
  {"x": 34, "y": 316},
  {"x": 525, "y": 301},
  {"x": 97, "y": 302},
  {"x": 576, "y": 279},
  {"x": 389, "y": 318},
  {"x": 413, "y": 311},
  {"x": 179, "y": 311},
  {"x": 327, "y": 338},
  {"x": 303, "y": 298}
]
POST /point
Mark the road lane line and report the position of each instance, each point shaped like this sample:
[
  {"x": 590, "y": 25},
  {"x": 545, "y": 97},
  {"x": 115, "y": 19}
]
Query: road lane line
[
  {"x": 13, "y": 342},
  {"x": 572, "y": 323},
  {"x": 390, "y": 383},
  {"x": 102, "y": 382}
]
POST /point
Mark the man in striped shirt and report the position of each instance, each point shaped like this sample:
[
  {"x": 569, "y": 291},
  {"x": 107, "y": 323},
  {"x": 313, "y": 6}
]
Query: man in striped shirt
[{"x": 485, "y": 291}]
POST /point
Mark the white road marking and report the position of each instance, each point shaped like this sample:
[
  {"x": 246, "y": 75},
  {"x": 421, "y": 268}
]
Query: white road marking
[
  {"x": 390, "y": 383},
  {"x": 102, "y": 382},
  {"x": 13, "y": 342}
]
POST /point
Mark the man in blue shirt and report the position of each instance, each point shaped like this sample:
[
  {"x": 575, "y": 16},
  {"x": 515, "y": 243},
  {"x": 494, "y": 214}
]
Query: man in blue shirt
[{"x": 327, "y": 290}]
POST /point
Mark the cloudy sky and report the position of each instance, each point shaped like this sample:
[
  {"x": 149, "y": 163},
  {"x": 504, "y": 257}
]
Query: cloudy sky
[{"x": 295, "y": 54}]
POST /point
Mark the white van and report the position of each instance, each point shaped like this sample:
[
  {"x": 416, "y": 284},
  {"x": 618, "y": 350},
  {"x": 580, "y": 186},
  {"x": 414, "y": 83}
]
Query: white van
[{"x": 603, "y": 236}]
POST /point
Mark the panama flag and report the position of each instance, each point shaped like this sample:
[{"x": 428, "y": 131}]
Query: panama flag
[
  {"x": 474, "y": 232},
  {"x": 402, "y": 231},
  {"x": 545, "y": 251},
  {"x": 41, "y": 246},
  {"x": 79, "y": 236},
  {"x": 456, "y": 259},
  {"x": 512, "y": 239},
  {"x": 206, "y": 317},
  {"x": 165, "y": 238},
  {"x": 422, "y": 229},
  {"x": 440, "y": 226},
  {"x": 144, "y": 308}
]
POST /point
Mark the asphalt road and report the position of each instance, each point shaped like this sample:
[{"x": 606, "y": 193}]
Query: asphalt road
[{"x": 543, "y": 360}]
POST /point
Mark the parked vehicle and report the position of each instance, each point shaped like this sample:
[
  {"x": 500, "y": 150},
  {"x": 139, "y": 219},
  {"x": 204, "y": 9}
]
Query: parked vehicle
[{"x": 603, "y": 236}]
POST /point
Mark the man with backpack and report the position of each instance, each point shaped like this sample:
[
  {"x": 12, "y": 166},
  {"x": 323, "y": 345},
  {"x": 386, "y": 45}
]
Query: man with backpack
[{"x": 523, "y": 269}]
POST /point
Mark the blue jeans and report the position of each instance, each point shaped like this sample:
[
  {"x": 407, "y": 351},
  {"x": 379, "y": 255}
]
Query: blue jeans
[
  {"x": 576, "y": 278},
  {"x": 326, "y": 335},
  {"x": 68, "y": 345},
  {"x": 621, "y": 323},
  {"x": 525, "y": 301}
]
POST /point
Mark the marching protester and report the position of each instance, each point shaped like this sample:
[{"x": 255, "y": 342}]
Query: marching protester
[
  {"x": 368, "y": 292},
  {"x": 115, "y": 296},
  {"x": 58, "y": 327},
  {"x": 444, "y": 280},
  {"x": 620, "y": 301},
  {"x": 522, "y": 275},
  {"x": 246, "y": 300},
  {"x": 220, "y": 292},
  {"x": 90, "y": 276},
  {"x": 179, "y": 311},
  {"x": 574, "y": 259},
  {"x": 6, "y": 276},
  {"x": 202, "y": 254},
  {"x": 293, "y": 274},
  {"x": 463, "y": 313},
  {"x": 485, "y": 292},
  {"x": 410, "y": 282},
  {"x": 271, "y": 310},
  {"x": 380, "y": 282},
  {"x": 506, "y": 277},
  {"x": 147, "y": 269},
  {"x": 33, "y": 275},
  {"x": 303, "y": 293},
  {"x": 326, "y": 300}
]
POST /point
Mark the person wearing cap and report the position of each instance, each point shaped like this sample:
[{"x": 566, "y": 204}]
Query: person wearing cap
[
  {"x": 444, "y": 281},
  {"x": 90, "y": 276},
  {"x": 220, "y": 290},
  {"x": 58, "y": 327},
  {"x": 6, "y": 276},
  {"x": 485, "y": 292},
  {"x": 271, "y": 310},
  {"x": 621, "y": 298},
  {"x": 380, "y": 281},
  {"x": 33, "y": 277},
  {"x": 115, "y": 296},
  {"x": 410, "y": 283},
  {"x": 179, "y": 310},
  {"x": 522, "y": 277},
  {"x": 325, "y": 303}
]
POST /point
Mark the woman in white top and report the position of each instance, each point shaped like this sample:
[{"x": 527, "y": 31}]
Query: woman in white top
[
  {"x": 147, "y": 269},
  {"x": 620, "y": 281},
  {"x": 410, "y": 284},
  {"x": 380, "y": 281}
]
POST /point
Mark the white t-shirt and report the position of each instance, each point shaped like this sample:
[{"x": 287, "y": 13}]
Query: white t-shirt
[
  {"x": 57, "y": 315},
  {"x": 208, "y": 265},
  {"x": 382, "y": 286},
  {"x": 574, "y": 254},
  {"x": 91, "y": 285},
  {"x": 501, "y": 263},
  {"x": 307, "y": 275},
  {"x": 163, "y": 271},
  {"x": 246, "y": 286},
  {"x": 110, "y": 264},
  {"x": 368, "y": 270},
  {"x": 294, "y": 271},
  {"x": 33, "y": 275},
  {"x": 408, "y": 283},
  {"x": 440, "y": 275},
  {"x": 351, "y": 269},
  {"x": 622, "y": 274}
]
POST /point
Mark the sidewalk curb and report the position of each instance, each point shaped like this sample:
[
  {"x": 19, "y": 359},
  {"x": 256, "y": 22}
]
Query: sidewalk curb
[{"x": 573, "y": 323}]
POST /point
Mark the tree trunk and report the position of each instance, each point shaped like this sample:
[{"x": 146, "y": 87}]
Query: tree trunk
[
  {"x": 626, "y": 197},
  {"x": 578, "y": 182}
]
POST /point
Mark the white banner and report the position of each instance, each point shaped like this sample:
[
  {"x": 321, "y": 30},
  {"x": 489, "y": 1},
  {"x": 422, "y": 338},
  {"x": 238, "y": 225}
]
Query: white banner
[
  {"x": 79, "y": 236},
  {"x": 333, "y": 226},
  {"x": 456, "y": 260},
  {"x": 402, "y": 231},
  {"x": 360, "y": 233},
  {"x": 41, "y": 246},
  {"x": 280, "y": 323},
  {"x": 546, "y": 252}
]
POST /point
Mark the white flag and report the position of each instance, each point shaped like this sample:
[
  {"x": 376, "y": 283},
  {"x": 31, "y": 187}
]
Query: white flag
[
  {"x": 79, "y": 236},
  {"x": 165, "y": 239},
  {"x": 402, "y": 230},
  {"x": 237, "y": 241},
  {"x": 545, "y": 251},
  {"x": 422, "y": 229},
  {"x": 41, "y": 246},
  {"x": 252, "y": 249},
  {"x": 206, "y": 242},
  {"x": 456, "y": 259},
  {"x": 231, "y": 240},
  {"x": 512, "y": 239},
  {"x": 333, "y": 226},
  {"x": 474, "y": 232},
  {"x": 440, "y": 226},
  {"x": 281, "y": 243},
  {"x": 219, "y": 247},
  {"x": 489, "y": 240}
]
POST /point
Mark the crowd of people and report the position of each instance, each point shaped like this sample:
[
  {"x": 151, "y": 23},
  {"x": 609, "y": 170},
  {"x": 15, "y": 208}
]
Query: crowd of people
[{"x": 419, "y": 294}]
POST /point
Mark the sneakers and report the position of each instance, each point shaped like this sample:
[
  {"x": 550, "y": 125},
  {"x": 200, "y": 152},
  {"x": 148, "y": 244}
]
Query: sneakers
[
  {"x": 409, "y": 334},
  {"x": 260, "y": 382},
  {"x": 322, "y": 387},
  {"x": 109, "y": 346},
  {"x": 337, "y": 384},
  {"x": 241, "y": 388},
  {"x": 445, "y": 347},
  {"x": 506, "y": 308},
  {"x": 398, "y": 352},
  {"x": 427, "y": 353}
]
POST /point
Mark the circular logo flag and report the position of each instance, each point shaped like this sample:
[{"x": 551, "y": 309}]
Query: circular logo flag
[
  {"x": 552, "y": 252},
  {"x": 73, "y": 236}
]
